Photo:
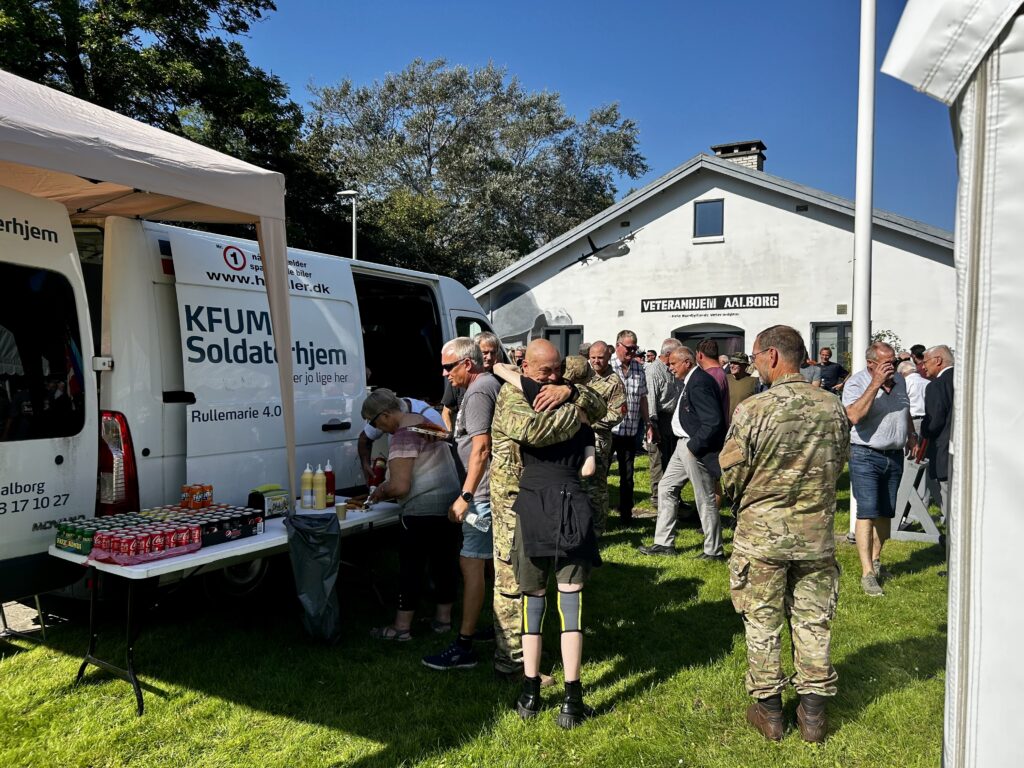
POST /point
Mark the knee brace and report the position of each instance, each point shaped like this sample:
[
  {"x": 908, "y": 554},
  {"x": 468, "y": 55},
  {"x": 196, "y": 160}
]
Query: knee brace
[
  {"x": 570, "y": 610},
  {"x": 534, "y": 607}
]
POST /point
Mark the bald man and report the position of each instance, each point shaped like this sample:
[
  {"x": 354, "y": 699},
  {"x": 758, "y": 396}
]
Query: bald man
[{"x": 516, "y": 423}]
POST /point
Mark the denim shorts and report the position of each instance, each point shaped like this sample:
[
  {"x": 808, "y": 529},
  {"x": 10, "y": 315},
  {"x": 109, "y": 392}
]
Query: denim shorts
[
  {"x": 874, "y": 480},
  {"x": 477, "y": 544}
]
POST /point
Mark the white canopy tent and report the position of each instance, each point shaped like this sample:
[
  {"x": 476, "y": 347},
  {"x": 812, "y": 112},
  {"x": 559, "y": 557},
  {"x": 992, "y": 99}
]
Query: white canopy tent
[
  {"x": 98, "y": 163},
  {"x": 969, "y": 54}
]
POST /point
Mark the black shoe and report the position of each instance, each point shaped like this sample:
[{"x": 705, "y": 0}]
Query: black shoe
[
  {"x": 573, "y": 711},
  {"x": 706, "y": 556},
  {"x": 528, "y": 703},
  {"x": 657, "y": 549}
]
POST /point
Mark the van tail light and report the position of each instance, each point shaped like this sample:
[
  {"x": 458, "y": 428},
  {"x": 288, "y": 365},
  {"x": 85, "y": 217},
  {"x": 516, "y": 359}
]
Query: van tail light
[{"x": 118, "y": 487}]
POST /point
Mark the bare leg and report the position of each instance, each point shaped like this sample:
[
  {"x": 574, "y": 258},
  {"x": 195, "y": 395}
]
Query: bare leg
[
  {"x": 531, "y": 650},
  {"x": 883, "y": 526},
  {"x": 572, "y": 643},
  {"x": 472, "y": 593},
  {"x": 865, "y": 546},
  {"x": 403, "y": 620},
  {"x": 443, "y": 613}
]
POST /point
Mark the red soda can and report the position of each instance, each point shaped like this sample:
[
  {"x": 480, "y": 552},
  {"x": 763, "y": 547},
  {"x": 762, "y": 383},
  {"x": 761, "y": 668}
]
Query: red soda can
[
  {"x": 157, "y": 541},
  {"x": 181, "y": 536},
  {"x": 101, "y": 540},
  {"x": 142, "y": 542},
  {"x": 195, "y": 533}
]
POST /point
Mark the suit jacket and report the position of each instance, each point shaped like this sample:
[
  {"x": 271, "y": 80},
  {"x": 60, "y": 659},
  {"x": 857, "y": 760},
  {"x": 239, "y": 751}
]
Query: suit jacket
[
  {"x": 700, "y": 414},
  {"x": 938, "y": 418}
]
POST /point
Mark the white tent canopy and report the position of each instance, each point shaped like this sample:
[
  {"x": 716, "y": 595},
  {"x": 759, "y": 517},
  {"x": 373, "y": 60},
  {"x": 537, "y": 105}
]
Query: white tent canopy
[
  {"x": 98, "y": 163},
  {"x": 970, "y": 54}
]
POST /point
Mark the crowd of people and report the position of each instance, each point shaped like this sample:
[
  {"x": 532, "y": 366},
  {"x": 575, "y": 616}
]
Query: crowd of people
[{"x": 521, "y": 489}]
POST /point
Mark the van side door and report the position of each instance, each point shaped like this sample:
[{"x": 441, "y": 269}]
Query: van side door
[{"x": 48, "y": 404}]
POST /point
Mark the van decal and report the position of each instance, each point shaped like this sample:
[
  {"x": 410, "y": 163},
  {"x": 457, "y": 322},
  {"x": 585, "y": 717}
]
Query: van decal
[
  {"x": 27, "y": 231},
  {"x": 246, "y": 323}
]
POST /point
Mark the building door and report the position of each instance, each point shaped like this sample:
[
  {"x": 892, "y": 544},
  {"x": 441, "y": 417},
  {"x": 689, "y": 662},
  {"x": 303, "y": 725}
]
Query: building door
[
  {"x": 566, "y": 338},
  {"x": 731, "y": 340},
  {"x": 835, "y": 336}
]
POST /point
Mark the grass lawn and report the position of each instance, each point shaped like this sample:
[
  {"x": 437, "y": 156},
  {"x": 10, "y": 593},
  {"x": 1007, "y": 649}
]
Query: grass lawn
[{"x": 239, "y": 685}]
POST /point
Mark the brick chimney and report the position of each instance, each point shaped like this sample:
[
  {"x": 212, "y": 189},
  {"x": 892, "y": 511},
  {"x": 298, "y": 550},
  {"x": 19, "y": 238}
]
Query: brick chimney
[{"x": 749, "y": 154}]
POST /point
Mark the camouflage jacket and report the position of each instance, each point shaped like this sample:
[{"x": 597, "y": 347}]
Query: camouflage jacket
[
  {"x": 515, "y": 422},
  {"x": 782, "y": 457},
  {"x": 614, "y": 394}
]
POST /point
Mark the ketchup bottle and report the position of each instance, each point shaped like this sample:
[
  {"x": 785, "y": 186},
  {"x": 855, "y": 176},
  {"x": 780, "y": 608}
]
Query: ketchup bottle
[{"x": 329, "y": 472}]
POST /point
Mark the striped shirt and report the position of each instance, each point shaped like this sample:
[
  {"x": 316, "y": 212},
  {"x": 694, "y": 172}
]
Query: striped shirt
[
  {"x": 635, "y": 382},
  {"x": 662, "y": 389}
]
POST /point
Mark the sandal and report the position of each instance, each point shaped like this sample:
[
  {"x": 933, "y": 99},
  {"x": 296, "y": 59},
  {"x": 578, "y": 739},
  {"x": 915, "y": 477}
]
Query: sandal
[
  {"x": 440, "y": 627},
  {"x": 391, "y": 634}
]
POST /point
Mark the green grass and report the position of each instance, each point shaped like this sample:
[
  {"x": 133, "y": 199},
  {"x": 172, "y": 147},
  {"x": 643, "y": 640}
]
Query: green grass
[{"x": 664, "y": 663}]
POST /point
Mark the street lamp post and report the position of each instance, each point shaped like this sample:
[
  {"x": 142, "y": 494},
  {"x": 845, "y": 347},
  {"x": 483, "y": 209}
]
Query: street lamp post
[{"x": 351, "y": 194}]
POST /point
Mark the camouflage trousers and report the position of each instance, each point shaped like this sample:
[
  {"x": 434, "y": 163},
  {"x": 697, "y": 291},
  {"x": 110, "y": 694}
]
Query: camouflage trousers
[
  {"x": 508, "y": 618},
  {"x": 767, "y": 593},
  {"x": 597, "y": 485}
]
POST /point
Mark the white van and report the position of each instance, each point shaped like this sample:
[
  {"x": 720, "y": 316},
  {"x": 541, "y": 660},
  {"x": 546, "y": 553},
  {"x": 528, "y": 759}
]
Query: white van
[{"x": 135, "y": 357}]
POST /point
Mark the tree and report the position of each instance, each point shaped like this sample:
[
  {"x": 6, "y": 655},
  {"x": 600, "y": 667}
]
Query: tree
[
  {"x": 167, "y": 63},
  {"x": 462, "y": 171}
]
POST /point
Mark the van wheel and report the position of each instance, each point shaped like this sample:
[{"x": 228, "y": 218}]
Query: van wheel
[{"x": 239, "y": 580}]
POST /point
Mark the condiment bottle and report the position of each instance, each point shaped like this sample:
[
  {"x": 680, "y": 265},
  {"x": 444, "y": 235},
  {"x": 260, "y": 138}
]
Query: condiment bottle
[
  {"x": 306, "y": 484},
  {"x": 319, "y": 489},
  {"x": 329, "y": 473}
]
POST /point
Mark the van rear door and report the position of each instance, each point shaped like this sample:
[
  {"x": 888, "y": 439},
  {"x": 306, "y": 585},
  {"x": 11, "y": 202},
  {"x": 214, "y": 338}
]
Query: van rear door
[
  {"x": 235, "y": 434},
  {"x": 48, "y": 407}
]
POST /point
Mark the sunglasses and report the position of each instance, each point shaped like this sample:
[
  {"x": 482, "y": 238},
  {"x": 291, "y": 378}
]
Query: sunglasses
[
  {"x": 448, "y": 367},
  {"x": 631, "y": 349},
  {"x": 373, "y": 422}
]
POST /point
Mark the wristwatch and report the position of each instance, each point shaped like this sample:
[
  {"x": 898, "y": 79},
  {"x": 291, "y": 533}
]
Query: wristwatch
[{"x": 466, "y": 496}]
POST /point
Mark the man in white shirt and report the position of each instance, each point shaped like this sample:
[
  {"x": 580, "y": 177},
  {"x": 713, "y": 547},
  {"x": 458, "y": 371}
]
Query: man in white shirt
[
  {"x": 882, "y": 432},
  {"x": 916, "y": 385}
]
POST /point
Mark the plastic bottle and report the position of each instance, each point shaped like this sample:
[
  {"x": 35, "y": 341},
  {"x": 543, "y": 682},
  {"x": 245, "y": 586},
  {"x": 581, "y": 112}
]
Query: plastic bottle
[
  {"x": 319, "y": 488},
  {"x": 482, "y": 524},
  {"x": 329, "y": 473},
  {"x": 306, "y": 484}
]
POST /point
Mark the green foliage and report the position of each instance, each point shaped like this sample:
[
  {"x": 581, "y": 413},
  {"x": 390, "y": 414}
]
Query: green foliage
[
  {"x": 462, "y": 171},
  {"x": 888, "y": 337},
  {"x": 170, "y": 64}
]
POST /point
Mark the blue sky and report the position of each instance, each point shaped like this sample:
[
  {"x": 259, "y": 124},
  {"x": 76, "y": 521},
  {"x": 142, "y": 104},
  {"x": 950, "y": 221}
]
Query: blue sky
[{"x": 691, "y": 74}]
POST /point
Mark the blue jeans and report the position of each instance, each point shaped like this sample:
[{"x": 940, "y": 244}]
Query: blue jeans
[
  {"x": 477, "y": 544},
  {"x": 874, "y": 480}
]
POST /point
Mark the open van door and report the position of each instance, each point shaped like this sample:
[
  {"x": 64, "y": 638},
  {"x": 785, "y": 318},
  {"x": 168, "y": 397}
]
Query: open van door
[{"x": 48, "y": 406}]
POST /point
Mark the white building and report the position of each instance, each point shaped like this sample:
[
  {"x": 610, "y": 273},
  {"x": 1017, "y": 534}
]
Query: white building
[{"x": 719, "y": 248}]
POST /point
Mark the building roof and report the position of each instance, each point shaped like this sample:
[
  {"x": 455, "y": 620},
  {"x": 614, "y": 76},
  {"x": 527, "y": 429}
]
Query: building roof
[{"x": 702, "y": 161}]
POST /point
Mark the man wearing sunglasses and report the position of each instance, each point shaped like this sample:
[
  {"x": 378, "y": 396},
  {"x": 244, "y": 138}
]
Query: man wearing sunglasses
[{"x": 626, "y": 434}]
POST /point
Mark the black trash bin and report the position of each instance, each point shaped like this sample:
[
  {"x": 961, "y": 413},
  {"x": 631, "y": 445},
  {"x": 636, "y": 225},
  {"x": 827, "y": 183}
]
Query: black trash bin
[{"x": 314, "y": 545}]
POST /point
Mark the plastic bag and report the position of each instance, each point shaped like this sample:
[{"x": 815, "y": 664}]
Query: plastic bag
[{"x": 314, "y": 548}]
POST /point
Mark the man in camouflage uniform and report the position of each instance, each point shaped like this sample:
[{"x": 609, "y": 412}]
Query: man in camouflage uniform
[
  {"x": 780, "y": 463},
  {"x": 608, "y": 385},
  {"x": 515, "y": 422}
]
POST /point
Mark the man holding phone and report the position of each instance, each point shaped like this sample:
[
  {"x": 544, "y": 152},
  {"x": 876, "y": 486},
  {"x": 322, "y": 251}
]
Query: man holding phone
[{"x": 882, "y": 432}]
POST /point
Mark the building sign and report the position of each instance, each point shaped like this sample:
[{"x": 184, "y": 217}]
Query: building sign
[{"x": 711, "y": 303}]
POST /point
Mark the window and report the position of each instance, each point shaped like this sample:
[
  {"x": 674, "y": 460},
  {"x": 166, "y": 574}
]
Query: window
[
  {"x": 708, "y": 218},
  {"x": 469, "y": 326},
  {"x": 42, "y": 378},
  {"x": 566, "y": 338}
]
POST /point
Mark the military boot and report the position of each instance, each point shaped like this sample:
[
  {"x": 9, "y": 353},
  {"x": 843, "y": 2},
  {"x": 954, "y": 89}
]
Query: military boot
[
  {"x": 573, "y": 711},
  {"x": 528, "y": 703},
  {"x": 811, "y": 717},
  {"x": 766, "y": 716}
]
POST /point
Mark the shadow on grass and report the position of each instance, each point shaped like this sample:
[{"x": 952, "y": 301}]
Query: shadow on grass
[
  {"x": 255, "y": 655},
  {"x": 882, "y": 668},
  {"x": 919, "y": 560}
]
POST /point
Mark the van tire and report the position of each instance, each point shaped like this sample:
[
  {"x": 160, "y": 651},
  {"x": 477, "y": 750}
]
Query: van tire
[{"x": 237, "y": 581}]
